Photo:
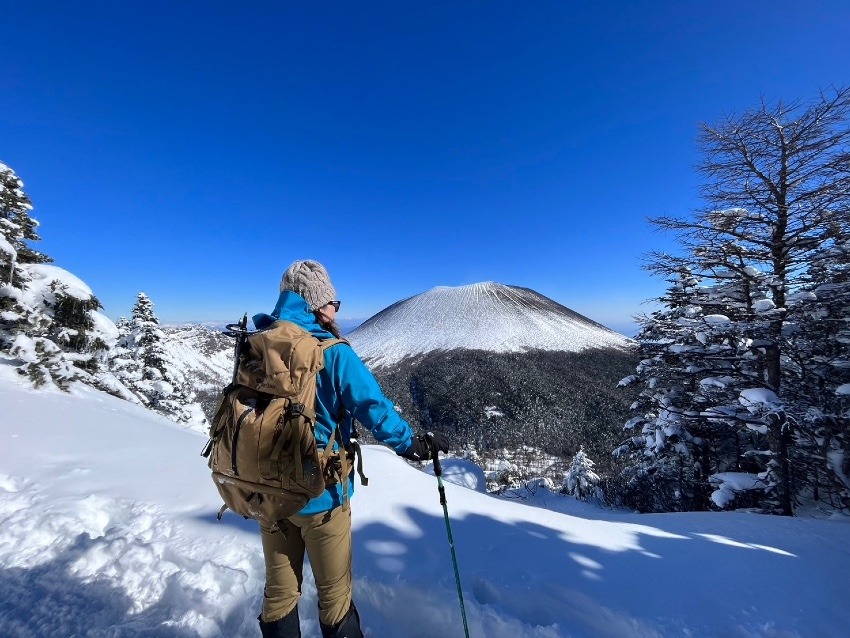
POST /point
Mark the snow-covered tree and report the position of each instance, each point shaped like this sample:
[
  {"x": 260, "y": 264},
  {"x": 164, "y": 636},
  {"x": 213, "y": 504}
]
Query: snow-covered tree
[
  {"x": 695, "y": 361},
  {"x": 581, "y": 480},
  {"x": 52, "y": 331},
  {"x": 670, "y": 439},
  {"x": 777, "y": 192},
  {"x": 143, "y": 364},
  {"x": 49, "y": 320},
  {"x": 17, "y": 227},
  {"x": 819, "y": 371}
]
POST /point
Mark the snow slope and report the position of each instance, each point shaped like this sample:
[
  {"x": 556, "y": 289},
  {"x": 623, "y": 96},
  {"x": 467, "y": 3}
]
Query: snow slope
[
  {"x": 107, "y": 528},
  {"x": 202, "y": 352},
  {"x": 484, "y": 316}
]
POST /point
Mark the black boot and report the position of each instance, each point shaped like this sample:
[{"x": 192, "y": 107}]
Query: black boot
[
  {"x": 348, "y": 627},
  {"x": 286, "y": 627}
]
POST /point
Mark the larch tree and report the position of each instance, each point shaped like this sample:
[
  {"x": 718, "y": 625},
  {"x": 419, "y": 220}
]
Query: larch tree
[{"x": 777, "y": 198}]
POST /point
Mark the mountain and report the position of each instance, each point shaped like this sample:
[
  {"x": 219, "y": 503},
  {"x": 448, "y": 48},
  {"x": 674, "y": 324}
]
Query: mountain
[
  {"x": 495, "y": 366},
  {"x": 502, "y": 366},
  {"x": 486, "y": 316},
  {"x": 205, "y": 355}
]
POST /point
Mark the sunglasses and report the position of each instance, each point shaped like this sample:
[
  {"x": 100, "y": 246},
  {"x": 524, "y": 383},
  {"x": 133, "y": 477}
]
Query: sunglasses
[{"x": 335, "y": 304}]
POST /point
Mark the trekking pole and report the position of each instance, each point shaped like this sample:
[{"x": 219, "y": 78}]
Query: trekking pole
[
  {"x": 438, "y": 470},
  {"x": 240, "y": 331}
]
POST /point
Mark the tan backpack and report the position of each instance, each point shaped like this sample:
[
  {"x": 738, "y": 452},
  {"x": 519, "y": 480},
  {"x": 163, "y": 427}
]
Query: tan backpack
[{"x": 262, "y": 449}]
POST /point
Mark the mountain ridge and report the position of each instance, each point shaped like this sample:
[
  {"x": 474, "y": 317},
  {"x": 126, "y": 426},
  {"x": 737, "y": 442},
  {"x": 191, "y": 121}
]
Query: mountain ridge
[
  {"x": 498, "y": 366},
  {"x": 485, "y": 316}
]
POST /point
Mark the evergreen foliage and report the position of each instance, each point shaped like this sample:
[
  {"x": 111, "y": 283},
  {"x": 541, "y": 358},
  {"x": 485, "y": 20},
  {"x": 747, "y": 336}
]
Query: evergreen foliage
[
  {"x": 742, "y": 368},
  {"x": 142, "y": 363},
  {"x": 49, "y": 322},
  {"x": 818, "y": 373},
  {"x": 547, "y": 400},
  {"x": 581, "y": 480},
  {"x": 51, "y": 330},
  {"x": 17, "y": 227}
]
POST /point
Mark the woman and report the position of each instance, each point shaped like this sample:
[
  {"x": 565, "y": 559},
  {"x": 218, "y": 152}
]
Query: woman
[{"x": 322, "y": 528}]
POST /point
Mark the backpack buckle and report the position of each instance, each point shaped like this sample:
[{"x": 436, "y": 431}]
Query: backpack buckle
[{"x": 295, "y": 409}]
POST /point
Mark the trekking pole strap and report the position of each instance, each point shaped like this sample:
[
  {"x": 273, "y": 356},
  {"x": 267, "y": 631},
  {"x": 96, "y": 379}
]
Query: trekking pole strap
[{"x": 357, "y": 452}]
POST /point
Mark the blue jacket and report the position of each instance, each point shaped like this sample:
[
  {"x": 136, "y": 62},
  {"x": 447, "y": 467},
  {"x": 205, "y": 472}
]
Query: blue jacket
[{"x": 344, "y": 381}]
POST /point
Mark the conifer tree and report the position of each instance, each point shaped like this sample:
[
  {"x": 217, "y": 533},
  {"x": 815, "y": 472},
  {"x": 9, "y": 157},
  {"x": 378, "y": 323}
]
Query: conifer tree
[
  {"x": 581, "y": 480},
  {"x": 48, "y": 315},
  {"x": 819, "y": 372},
  {"x": 17, "y": 227},
  {"x": 144, "y": 365},
  {"x": 667, "y": 447},
  {"x": 777, "y": 193}
]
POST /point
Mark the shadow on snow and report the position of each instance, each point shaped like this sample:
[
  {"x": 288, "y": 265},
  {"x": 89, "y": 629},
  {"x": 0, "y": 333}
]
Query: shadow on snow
[
  {"x": 621, "y": 577},
  {"x": 47, "y": 600}
]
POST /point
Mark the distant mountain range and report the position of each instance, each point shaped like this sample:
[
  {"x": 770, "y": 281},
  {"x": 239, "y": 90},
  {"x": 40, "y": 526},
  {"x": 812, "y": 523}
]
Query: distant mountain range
[
  {"x": 205, "y": 354},
  {"x": 501, "y": 366}
]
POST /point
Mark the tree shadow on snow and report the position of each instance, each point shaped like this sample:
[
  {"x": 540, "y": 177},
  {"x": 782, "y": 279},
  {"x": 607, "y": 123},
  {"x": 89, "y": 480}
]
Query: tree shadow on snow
[
  {"x": 602, "y": 575},
  {"x": 612, "y": 578}
]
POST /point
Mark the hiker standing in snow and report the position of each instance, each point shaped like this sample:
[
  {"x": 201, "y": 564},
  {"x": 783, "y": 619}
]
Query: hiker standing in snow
[{"x": 344, "y": 388}]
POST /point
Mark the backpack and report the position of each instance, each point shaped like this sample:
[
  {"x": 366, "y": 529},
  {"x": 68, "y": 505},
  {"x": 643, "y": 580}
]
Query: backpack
[{"x": 262, "y": 449}]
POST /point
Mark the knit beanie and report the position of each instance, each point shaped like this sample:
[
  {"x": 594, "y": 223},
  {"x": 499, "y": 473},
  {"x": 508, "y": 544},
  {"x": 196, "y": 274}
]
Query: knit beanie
[{"x": 310, "y": 280}]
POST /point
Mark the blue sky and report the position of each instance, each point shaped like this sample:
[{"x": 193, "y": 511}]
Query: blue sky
[{"x": 193, "y": 149}]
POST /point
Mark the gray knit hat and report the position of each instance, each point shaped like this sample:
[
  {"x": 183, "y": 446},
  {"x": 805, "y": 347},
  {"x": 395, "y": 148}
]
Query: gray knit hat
[{"x": 310, "y": 280}]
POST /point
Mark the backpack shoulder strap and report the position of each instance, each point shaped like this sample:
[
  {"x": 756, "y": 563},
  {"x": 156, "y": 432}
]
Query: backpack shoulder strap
[{"x": 330, "y": 343}]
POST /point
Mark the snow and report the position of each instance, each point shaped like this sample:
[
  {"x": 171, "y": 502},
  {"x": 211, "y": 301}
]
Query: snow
[
  {"x": 104, "y": 327},
  {"x": 7, "y": 248},
  {"x": 801, "y": 296},
  {"x": 492, "y": 411},
  {"x": 716, "y": 382},
  {"x": 484, "y": 316},
  {"x": 764, "y": 305},
  {"x": 755, "y": 399},
  {"x": 843, "y": 390},
  {"x": 461, "y": 472},
  {"x": 45, "y": 274},
  {"x": 187, "y": 350},
  {"x": 627, "y": 381},
  {"x": 730, "y": 483},
  {"x": 717, "y": 320},
  {"x": 107, "y": 528}
]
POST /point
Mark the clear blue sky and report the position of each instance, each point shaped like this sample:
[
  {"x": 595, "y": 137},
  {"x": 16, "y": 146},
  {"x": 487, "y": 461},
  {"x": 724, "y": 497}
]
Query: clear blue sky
[{"x": 193, "y": 149}]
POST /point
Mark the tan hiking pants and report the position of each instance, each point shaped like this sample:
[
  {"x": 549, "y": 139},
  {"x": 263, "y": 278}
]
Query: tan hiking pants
[{"x": 326, "y": 537}]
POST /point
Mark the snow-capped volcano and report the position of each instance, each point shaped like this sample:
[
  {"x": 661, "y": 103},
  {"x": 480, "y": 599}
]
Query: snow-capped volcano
[{"x": 485, "y": 316}]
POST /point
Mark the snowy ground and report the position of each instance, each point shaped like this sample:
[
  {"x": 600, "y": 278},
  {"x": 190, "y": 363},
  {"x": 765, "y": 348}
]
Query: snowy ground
[{"x": 107, "y": 528}]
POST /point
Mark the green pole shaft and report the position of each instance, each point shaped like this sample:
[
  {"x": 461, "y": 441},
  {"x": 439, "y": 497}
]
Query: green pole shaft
[{"x": 439, "y": 472}]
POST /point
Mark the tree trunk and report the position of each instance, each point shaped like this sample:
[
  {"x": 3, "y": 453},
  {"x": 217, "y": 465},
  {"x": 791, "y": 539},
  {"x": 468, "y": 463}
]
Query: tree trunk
[{"x": 779, "y": 434}]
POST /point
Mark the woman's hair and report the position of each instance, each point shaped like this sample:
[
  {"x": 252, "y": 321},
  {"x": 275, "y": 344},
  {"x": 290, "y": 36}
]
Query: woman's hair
[{"x": 331, "y": 326}]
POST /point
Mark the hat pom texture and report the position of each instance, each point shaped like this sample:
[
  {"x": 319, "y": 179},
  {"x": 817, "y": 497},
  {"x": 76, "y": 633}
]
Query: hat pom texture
[{"x": 310, "y": 280}]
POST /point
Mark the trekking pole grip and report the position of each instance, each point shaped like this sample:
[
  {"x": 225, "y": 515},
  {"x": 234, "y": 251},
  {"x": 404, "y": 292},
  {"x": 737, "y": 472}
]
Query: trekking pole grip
[{"x": 435, "y": 454}]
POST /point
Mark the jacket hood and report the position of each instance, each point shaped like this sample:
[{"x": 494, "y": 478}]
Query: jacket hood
[{"x": 293, "y": 308}]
